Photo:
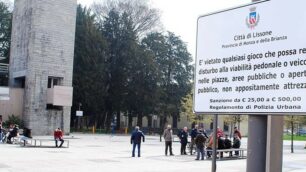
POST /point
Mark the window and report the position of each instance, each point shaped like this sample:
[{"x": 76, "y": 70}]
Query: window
[
  {"x": 52, "y": 81},
  {"x": 52, "y": 107},
  {"x": 20, "y": 82}
]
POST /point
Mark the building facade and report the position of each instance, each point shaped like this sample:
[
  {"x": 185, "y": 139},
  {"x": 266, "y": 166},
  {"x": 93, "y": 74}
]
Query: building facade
[{"x": 41, "y": 62}]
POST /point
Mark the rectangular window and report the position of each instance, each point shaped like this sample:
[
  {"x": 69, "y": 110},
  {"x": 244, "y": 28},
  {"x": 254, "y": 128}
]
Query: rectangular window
[{"x": 52, "y": 81}]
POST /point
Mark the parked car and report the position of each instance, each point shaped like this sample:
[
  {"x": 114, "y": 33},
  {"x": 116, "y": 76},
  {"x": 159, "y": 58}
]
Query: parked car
[{"x": 301, "y": 132}]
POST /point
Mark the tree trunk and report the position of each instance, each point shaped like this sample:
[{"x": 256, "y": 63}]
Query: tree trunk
[
  {"x": 150, "y": 121},
  {"x": 139, "y": 120},
  {"x": 108, "y": 120},
  {"x": 149, "y": 124},
  {"x": 161, "y": 128},
  {"x": 231, "y": 133},
  {"x": 239, "y": 120},
  {"x": 174, "y": 121},
  {"x": 118, "y": 120},
  {"x": 130, "y": 121}
]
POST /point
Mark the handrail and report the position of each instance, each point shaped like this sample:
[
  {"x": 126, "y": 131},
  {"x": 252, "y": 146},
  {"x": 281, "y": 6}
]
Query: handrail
[{"x": 4, "y": 68}]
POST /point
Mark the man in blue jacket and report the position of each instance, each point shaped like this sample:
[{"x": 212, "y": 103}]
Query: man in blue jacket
[
  {"x": 136, "y": 140},
  {"x": 193, "y": 134}
]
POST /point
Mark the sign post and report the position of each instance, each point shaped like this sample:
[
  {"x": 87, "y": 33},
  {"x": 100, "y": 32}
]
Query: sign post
[
  {"x": 215, "y": 142},
  {"x": 247, "y": 62}
]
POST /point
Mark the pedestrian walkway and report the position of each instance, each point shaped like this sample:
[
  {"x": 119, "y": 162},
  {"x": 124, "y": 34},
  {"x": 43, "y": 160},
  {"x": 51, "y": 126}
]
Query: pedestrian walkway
[{"x": 96, "y": 153}]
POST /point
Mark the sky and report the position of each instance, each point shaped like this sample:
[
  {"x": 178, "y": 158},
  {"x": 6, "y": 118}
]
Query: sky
[{"x": 180, "y": 16}]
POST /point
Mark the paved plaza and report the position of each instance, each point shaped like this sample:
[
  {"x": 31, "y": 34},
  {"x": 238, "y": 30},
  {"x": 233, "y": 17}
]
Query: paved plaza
[{"x": 96, "y": 153}]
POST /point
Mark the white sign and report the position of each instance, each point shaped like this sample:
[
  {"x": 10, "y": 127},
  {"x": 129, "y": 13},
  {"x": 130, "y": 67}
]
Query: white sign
[
  {"x": 79, "y": 113},
  {"x": 154, "y": 117},
  {"x": 252, "y": 59}
]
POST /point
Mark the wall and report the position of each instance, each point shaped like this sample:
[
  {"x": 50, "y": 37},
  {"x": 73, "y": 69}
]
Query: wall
[{"x": 13, "y": 106}]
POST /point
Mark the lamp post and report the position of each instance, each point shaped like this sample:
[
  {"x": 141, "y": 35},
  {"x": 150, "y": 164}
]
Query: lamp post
[{"x": 79, "y": 117}]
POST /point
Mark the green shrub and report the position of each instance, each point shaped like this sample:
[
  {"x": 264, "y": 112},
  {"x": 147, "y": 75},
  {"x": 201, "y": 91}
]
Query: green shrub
[{"x": 12, "y": 119}]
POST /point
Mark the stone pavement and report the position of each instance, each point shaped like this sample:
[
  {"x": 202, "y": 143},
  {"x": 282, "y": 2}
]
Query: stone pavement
[{"x": 96, "y": 153}]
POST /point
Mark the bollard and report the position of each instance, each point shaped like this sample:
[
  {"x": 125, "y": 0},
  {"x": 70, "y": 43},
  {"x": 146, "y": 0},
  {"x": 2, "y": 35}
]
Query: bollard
[
  {"x": 93, "y": 129},
  {"x": 126, "y": 130}
]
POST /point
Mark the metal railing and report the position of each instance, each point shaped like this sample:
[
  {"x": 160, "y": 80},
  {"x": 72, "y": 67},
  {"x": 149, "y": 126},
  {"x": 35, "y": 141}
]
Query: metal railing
[{"x": 4, "y": 68}]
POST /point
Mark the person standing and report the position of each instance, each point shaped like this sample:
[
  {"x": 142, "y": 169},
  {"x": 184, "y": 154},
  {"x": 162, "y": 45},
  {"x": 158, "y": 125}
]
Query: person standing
[
  {"x": 236, "y": 143},
  {"x": 200, "y": 143},
  {"x": 236, "y": 131},
  {"x": 168, "y": 140},
  {"x": 58, "y": 136},
  {"x": 136, "y": 140},
  {"x": 193, "y": 135},
  {"x": 183, "y": 135},
  {"x": 209, "y": 145}
]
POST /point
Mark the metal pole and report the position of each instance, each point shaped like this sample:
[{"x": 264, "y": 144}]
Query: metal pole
[
  {"x": 214, "y": 151},
  {"x": 79, "y": 118}
]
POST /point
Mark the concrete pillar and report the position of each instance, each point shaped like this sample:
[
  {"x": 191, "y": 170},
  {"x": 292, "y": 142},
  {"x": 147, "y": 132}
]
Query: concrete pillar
[
  {"x": 257, "y": 141},
  {"x": 274, "y": 155}
]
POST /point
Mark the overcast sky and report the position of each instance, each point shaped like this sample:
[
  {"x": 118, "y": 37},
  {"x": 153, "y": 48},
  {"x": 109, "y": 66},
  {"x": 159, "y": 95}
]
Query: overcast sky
[{"x": 180, "y": 16}]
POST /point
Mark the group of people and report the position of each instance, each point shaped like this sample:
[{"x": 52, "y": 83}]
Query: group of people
[
  {"x": 6, "y": 136},
  {"x": 13, "y": 131},
  {"x": 199, "y": 139}
]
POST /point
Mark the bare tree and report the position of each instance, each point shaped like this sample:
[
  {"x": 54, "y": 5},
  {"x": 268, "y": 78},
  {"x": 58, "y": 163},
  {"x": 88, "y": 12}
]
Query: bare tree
[
  {"x": 145, "y": 19},
  {"x": 9, "y": 4}
]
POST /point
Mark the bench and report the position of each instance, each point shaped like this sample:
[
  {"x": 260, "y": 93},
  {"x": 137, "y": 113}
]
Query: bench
[
  {"x": 42, "y": 143},
  {"x": 240, "y": 150}
]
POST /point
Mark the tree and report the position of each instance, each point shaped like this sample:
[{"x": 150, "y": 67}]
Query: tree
[
  {"x": 292, "y": 122},
  {"x": 173, "y": 62},
  {"x": 89, "y": 69},
  {"x": 143, "y": 18},
  {"x": 234, "y": 120},
  {"x": 5, "y": 31},
  {"x": 187, "y": 110},
  {"x": 122, "y": 46},
  {"x": 117, "y": 73}
]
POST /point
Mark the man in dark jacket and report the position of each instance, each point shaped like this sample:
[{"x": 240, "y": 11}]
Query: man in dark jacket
[
  {"x": 221, "y": 145},
  {"x": 228, "y": 144},
  {"x": 12, "y": 133},
  {"x": 183, "y": 135},
  {"x": 236, "y": 143},
  {"x": 136, "y": 140},
  {"x": 200, "y": 143},
  {"x": 193, "y": 135}
]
